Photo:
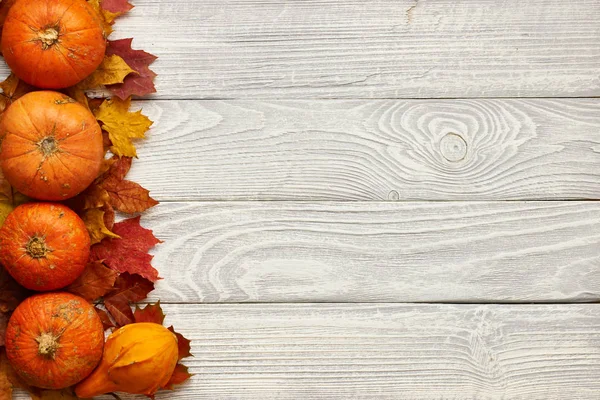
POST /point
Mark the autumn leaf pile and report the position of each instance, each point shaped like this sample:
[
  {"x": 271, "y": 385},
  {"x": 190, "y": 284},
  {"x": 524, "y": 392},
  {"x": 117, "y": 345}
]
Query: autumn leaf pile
[{"x": 119, "y": 272}]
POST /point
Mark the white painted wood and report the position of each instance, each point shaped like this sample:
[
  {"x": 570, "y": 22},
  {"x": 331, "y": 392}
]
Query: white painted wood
[
  {"x": 369, "y": 49},
  {"x": 467, "y": 352},
  {"x": 372, "y": 150},
  {"x": 377, "y": 252}
]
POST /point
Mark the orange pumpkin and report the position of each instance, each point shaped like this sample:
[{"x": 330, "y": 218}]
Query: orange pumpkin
[
  {"x": 51, "y": 146},
  {"x": 53, "y": 44},
  {"x": 44, "y": 246},
  {"x": 54, "y": 340}
]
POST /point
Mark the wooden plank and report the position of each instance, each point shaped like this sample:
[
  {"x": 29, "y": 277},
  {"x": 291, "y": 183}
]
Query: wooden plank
[
  {"x": 326, "y": 351},
  {"x": 369, "y": 49},
  {"x": 372, "y": 150},
  {"x": 377, "y": 252}
]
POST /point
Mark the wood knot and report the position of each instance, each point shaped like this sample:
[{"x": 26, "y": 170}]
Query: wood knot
[{"x": 453, "y": 147}]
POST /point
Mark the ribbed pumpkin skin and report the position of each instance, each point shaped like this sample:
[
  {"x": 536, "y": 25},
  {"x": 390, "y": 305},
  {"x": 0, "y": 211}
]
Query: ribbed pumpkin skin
[
  {"x": 53, "y": 44},
  {"x": 44, "y": 246},
  {"x": 51, "y": 146},
  {"x": 78, "y": 334}
]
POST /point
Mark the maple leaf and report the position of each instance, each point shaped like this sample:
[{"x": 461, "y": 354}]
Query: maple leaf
[
  {"x": 180, "y": 375},
  {"x": 62, "y": 394},
  {"x": 116, "y": 6},
  {"x": 107, "y": 323},
  {"x": 150, "y": 313},
  {"x": 128, "y": 289},
  {"x": 183, "y": 344},
  {"x": 112, "y": 70},
  {"x": 122, "y": 126},
  {"x": 107, "y": 18},
  {"x": 141, "y": 84},
  {"x": 3, "y": 322},
  {"x": 130, "y": 253},
  {"x": 11, "y": 293},
  {"x": 94, "y": 222},
  {"x": 12, "y": 88},
  {"x": 95, "y": 281},
  {"x": 126, "y": 196},
  {"x": 6, "y": 386}
]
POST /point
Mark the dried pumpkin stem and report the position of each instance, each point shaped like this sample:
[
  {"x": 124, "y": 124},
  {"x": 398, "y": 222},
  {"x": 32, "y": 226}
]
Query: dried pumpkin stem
[
  {"x": 36, "y": 247},
  {"x": 48, "y": 146},
  {"x": 48, "y": 37},
  {"x": 47, "y": 345}
]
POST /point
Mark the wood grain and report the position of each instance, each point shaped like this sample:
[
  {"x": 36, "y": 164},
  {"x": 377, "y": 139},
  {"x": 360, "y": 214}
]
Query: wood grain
[
  {"x": 377, "y": 252},
  {"x": 321, "y": 351},
  {"x": 369, "y": 49},
  {"x": 372, "y": 150}
]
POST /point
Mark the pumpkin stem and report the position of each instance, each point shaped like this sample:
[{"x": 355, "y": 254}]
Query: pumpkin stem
[
  {"x": 48, "y": 146},
  {"x": 47, "y": 345},
  {"x": 48, "y": 37},
  {"x": 36, "y": 247}
]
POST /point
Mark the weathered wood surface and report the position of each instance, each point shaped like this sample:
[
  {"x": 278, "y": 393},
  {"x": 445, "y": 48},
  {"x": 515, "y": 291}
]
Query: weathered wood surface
[
  {"x": 377, "y": 252},
  {"x": 372, "y": 150},
  {"x": 369, "y": 49},
  {"x": 411, "y": 352}
]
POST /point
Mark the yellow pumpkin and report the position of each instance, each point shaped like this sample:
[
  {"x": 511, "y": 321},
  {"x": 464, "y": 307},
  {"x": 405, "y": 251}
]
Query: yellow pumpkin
[{"x": 138, "y": 359}]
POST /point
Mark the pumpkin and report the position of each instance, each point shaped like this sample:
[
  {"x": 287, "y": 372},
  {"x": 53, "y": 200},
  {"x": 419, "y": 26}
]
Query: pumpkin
[
  {"x": 51, "y": 146},
  {"x": 54, "y": 340},
  {"x": 53, "y": 44},
  {"x": 44, "y": 246},
  {"x": 138, "y": 358}
]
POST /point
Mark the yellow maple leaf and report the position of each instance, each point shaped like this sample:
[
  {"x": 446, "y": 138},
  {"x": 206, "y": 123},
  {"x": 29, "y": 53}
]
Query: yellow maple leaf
[
  {"x": 106, "y": 17},
  {"x": 112, "y": 70},
  {"x": 122, "y": 126},
  {"x": 94, "y": 222},
  {"x": 12, "y": 89},
  {"x": 9, "y": 198}
]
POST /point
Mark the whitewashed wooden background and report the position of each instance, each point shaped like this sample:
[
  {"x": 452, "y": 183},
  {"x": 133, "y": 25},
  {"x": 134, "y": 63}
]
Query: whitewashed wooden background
[{"x": 377, "y": 199}]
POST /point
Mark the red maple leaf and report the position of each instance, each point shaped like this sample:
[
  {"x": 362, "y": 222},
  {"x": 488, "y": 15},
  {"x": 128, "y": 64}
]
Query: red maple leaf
[
  {"x": 107, "y": 323},
  {"x": 128, "y": 289},
  {"x": 95, "y": 282},
  {"x": 130, "y": 252},
  {"x": 150, "y": 313},
  {"x": 116, "y": 6},
  {"x": 179, "y": 376},
  {"x": 183, "y": 344},
  {"x": 139, "y": 84},
  {"x": 126, "y": 196}
]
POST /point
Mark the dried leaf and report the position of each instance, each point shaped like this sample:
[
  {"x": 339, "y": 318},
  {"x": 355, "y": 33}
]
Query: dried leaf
[
  {"x": 95, "y": 282},
  {"x": 130, "y": 253},
  {"x": 116, "y": 6},
  {"x": 6, "y": 387},
  {"x": 128, "y": 289},
  {"x": 112, "y": 70},
  {"x": 141, "y": 84},
  {"x": 3, "y": 323},
  {"x": 183, "y": 345},
  {"x": 63, "y": 394},
  {"x": 125, "y": 196},
  {"x": 151, "y": 313},
  {"x": 180, "y": 375},
  {"x": 93, "y": 197},
  {"x": 106, "y": 17},
  {"x": 122, "y": 126},
  {"x": 107, "y": 323},
  {"x": 12, "y": 89},
  {"x": 94, "y": 222},
  {"x": 11, "y": 293}
]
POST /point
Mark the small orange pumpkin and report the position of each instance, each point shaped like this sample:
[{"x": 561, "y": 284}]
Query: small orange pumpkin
[
  {"x": 54, "y": 340},
  {"x": 53, "y": 44},
  {"x": 51, "y": 146},
  {"x": 138, "y": 359},
  {"x": 44, "y": 246}
]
